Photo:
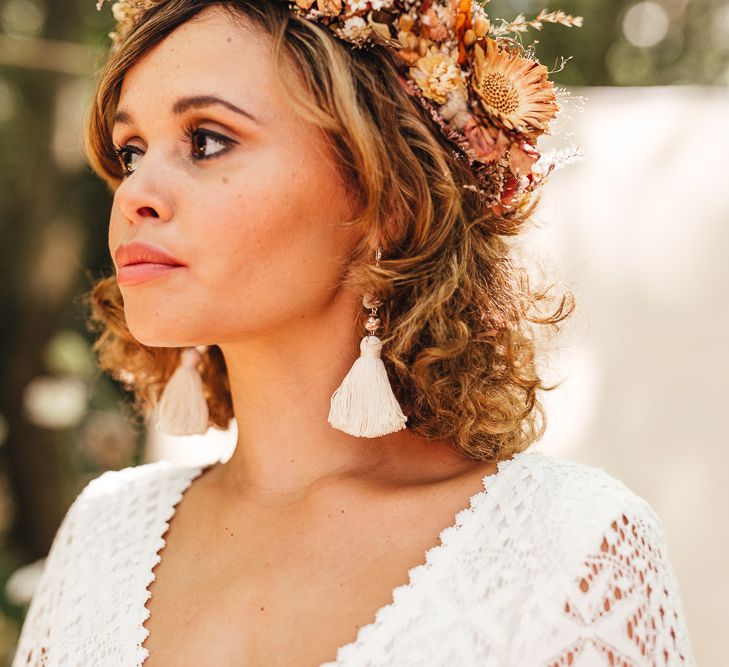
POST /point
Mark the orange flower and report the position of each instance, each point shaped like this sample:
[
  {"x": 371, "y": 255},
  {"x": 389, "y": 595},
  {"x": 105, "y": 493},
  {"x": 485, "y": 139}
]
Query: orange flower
[
  {"x": 462, "y": 11},
  {"x": 329, "y": 7},
  {"x": 514, "y": 91}
]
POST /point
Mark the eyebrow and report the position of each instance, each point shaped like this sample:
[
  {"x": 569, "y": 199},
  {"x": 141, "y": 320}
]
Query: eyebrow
[{"x": 184, "y": 104}]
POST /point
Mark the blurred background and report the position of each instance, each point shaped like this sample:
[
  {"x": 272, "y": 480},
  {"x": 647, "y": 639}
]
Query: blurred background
[{"x": 638, "y": 229}]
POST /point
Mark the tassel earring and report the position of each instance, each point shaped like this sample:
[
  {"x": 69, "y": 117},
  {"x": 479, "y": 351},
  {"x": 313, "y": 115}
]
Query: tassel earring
[
  {"x": 182, "y": 408},
  {"x": 364, "y": 405}
]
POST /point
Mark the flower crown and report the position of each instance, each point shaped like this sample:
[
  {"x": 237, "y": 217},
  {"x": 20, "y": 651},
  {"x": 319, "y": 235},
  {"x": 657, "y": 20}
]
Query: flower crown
[{"x": 487, "y": 93}]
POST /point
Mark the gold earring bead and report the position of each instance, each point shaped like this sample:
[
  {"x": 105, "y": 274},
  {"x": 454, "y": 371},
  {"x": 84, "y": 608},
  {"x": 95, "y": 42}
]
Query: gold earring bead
[
  {"x": 373, "y": 324},
  {"x": 371, "y": 302}
]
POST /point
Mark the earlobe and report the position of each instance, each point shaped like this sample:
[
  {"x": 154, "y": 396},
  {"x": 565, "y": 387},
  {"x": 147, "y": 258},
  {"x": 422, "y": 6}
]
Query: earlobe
[{"x": 376, "y": 245}]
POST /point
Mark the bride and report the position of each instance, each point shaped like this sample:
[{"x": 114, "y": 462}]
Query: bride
[{"x": 308, "y": 234}]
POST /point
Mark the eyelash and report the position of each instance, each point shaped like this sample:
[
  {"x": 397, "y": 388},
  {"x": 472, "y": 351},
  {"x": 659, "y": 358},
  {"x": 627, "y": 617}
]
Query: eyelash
[{"x": 189, "y": 131}]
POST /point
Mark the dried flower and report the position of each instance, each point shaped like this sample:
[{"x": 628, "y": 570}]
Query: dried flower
[
  {"x": 329, "y": 7},
  {"x": 355, "y": 30},
  {"x": 486, "y": 93},
  {"x": 488, "y": 143},
  {"x": 455, "y": 108},
  {"x": 514, "y": 91},
  {"x": 522, "y": 157},
  {"x": 520, "y": 24},
  {"x": 437, "y": 74}
]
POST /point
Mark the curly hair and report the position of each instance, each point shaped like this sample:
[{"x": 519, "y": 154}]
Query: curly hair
[{"x": 458, "y": 342}]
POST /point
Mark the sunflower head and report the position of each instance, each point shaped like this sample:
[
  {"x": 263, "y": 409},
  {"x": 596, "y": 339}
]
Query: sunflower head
[{"x": 514, "y": 91}]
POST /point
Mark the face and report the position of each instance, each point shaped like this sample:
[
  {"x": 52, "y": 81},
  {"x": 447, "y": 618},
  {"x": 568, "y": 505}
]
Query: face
[{"x": 241, "y": 191}]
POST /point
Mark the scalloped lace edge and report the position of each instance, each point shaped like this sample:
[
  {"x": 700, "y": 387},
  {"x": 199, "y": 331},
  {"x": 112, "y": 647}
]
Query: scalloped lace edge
[
  {"x": 418, "y": 571},
  {"x": 143, "y": 632},
  {"x": 414, "y": 574}
]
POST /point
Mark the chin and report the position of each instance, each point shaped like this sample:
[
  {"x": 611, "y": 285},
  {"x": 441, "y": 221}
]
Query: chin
[
  {"x": 161, "y": 334},
  {"x": 155, "y": 339},
  {"x": 154, "y": 325}
]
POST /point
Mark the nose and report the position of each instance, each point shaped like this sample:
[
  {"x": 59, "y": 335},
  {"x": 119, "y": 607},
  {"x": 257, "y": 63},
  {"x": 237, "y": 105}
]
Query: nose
[{"x": 147, "y": 193}]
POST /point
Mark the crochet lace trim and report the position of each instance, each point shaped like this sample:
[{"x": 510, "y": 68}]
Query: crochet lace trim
[
  {"x": 142, "y": 631},
  {"x": 414, "y": 575}
]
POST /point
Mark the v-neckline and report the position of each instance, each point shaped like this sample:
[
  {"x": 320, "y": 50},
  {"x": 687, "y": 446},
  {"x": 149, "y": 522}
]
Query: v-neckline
[
  {"x": 414, "y": 575},
  {"x": 192, "y": 472},
  {"x": 417, "y": 572}
]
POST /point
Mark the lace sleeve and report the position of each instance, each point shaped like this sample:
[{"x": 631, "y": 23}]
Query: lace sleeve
[
  {"x": 36, "y": 636},
  {"x": 624, "y": 607}
]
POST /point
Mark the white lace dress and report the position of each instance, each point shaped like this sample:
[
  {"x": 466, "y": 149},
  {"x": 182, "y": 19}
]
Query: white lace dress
[{"x": 553, "y": 563}]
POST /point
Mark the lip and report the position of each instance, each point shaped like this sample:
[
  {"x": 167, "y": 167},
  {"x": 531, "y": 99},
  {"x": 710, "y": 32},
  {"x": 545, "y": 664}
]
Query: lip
[
  {"x": 138, "y": 252},
  {"x": 133, "y": 274},
  {"x": 139, "y": 262}
]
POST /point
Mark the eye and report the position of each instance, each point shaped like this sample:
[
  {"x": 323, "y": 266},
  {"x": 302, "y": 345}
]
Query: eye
[
  {"x": 204, "y": 144},
  {"x": 125, "y": 156},
  {"x": 206, "y": 140}
]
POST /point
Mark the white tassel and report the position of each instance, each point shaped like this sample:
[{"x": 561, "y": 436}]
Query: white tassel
[
  {"x": 182, "y": 408},
  {"x": 364, "y": 404}
]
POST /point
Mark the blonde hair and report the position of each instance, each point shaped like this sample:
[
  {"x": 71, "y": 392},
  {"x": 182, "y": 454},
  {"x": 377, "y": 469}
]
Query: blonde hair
[{"x": 458, "y": 344}]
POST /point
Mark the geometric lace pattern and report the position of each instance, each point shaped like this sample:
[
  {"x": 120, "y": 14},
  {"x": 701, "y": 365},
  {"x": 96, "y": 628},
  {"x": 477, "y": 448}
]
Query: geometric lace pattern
[
  {"x": 552, "y": 563},
  {"x": 624, "y": 592}
]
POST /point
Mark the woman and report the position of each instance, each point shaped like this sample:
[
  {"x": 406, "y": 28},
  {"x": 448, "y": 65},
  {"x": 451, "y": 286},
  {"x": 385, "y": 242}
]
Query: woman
[{"x": 288, "y": 180}]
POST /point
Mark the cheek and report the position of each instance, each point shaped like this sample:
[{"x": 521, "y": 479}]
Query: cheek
[{"x": 271, "y": 243}]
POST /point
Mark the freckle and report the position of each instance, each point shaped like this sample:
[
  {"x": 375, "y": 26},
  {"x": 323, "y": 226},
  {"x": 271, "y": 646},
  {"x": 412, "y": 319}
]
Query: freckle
[
  {"x": 225, "y": 178},
  {"x": 342, "y": 511}
]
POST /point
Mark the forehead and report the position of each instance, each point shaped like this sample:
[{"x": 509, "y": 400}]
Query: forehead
[{"x": 214, "y": 51}]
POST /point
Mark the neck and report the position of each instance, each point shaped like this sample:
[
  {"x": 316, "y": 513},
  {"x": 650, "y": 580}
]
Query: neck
[{"x": 281, "y": 386}]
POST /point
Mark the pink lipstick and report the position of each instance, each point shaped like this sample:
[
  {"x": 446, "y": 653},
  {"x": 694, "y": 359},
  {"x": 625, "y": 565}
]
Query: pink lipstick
[{"x": 138, "y": 262}]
